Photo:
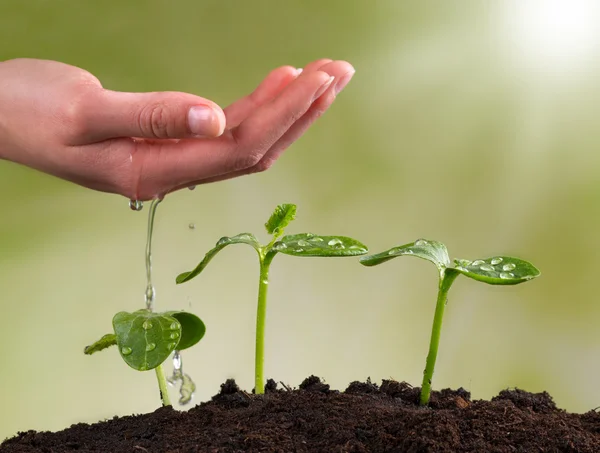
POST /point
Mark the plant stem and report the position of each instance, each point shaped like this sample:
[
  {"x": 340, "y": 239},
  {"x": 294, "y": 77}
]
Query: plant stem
[
  {"x": 261, "y": 315},
  {"x": 162, "y": 385},
  {"x": 446, "y": 280}
]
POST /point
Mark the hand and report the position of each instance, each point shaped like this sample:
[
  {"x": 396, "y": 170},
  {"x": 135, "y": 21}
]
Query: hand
[{"x": 58, "y": 119}]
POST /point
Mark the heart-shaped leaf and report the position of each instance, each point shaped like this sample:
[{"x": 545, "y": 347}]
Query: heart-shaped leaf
[
  {"x": 281, "y": 217},
  {"x": 308, "y": 244},
  {"x": 498, "y": 270},
  {"x": 108, "y": 340},
  {"x": 146, "y": 339},
  {"x": 243, "y": 238},
  {"x": 433, "y": 251},
  {"x": 192, "y": 328}
]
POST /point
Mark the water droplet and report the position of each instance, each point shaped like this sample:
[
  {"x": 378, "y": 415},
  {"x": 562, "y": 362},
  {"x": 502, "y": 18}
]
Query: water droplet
[
  {"x": 192, "y": 226},
  {"x": 265, "y": 282},
  {"x": 144, "y": 367},
  {"x": 317, "y": 239},
  {"x": 192, "y": 187},
  {"x": 281, "y": 246},
  {"x": 392, "y": 252},
  {"x": 487, "y": 268},
  {"x": 310, "y": 235},
  {"x": 224, "y": 240},
  {"x": 174, "y": 335},
  {"x": 509, "y": 267},
  {"x": 421, "y": 242},
  {"x": 408, "y": 252},
  {"x": 147, "y": 325},
  {"x": 336, "y": 243},
  {"x": 150, "y": 295},
  {"x": 174, "y": 326},
  {"x": 126, "y": 350},
  {"x": 171, "y": 346},
  {"x": 477, "y": 263},
  {"x": 150, "y": 347},
  {"x": 303, "y": 243},
  {"x": 506, "y": 275},
  {"x": 177, "y": 360},
  {"x": 356, "y": 247},
  {"x": 299, "y": 250},
  {"x": 496, "y": 261},
  {"x": 136, "y": 205}
]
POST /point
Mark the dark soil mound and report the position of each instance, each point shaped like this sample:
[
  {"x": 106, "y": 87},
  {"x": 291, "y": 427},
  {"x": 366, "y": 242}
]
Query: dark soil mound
[{"x": 314, "y": 418}]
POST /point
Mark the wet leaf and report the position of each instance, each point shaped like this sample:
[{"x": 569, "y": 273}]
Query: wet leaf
[
  {"x": 281, "y": 217},
  {"x": 146, "y": 339},
  {"x": 192, "y": 328},
  {"x": 433, "y": 251},
  {"x": 108, "y": 340},
  {"x": 308, "y": 244},
  {"x": 243, "y": 238},
  {"x": 498, "y": 270}
]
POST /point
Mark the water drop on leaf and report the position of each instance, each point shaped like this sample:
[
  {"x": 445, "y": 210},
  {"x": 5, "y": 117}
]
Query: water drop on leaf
[
  {"x": 125, "y": 350},
  {"x": 506, "y": 275},
  {"x": 487, "y": 268},
  {"x": 509, "y": 267},
  {"x": 495, "y": 261},
  {"x": 150, "y": 347}
]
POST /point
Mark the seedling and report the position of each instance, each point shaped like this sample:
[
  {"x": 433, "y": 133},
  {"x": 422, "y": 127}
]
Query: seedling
[
  {"x": 146, "y": 339},
  {"x": 303, "y": 244},
  {"x": 499, "y": 270}
]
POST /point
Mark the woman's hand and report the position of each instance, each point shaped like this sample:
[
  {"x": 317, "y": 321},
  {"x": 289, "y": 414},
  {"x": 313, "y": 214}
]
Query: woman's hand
[{"x": 58, "y": 119}]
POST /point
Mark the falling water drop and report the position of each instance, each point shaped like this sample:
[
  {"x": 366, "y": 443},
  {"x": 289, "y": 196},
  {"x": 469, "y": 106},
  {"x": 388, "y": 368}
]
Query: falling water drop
[
  {"x": 192, "y": 226},
  {"x": 136, "y": 205},
  {"x": 187, "y": 385},
  {"x": 191, "y": 187}
]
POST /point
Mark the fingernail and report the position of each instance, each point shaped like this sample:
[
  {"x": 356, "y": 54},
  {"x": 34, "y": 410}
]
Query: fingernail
[
  {"x": 299, "y": 71},
  {"x": 323, "y": 88},
  {"x": 203, "y": 121},
  {"x": 341, "y": 84}
]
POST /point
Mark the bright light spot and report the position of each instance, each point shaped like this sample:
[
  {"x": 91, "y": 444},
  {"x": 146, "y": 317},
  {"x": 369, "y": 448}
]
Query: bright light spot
[{"x": 554, "y": 36}]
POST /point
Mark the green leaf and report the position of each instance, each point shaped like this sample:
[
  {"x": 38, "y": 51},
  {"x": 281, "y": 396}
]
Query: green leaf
[
  {"x": 281, "y": 217},
  {"x": 243, "y": 238},
  {"x": 308, "y": 244},
  {"x": 433, "y": 251},
  {"x": 108, "y": 340},
  {"x": 498, "y": 270},
  {"x": 192, "y": 328},
  {"x": 146, "y": 339}
]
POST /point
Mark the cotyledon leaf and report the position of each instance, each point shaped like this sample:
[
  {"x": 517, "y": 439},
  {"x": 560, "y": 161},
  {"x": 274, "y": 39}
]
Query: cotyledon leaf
[
  {"x": 281, "y": 217},
  {"x": 433, "y": 251},
  {"x": 146, "y": 339},
  {"x": 192, "y": 328},
  {"x": 309, "y": 244},
  {"x": 108, "y": 340},
  {"x": 243, "y": 238},
  {"x": 498, "y": 270}
]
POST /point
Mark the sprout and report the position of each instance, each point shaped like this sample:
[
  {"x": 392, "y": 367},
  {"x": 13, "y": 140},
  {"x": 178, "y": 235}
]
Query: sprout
[
  {"x": 498, "y": 270},
  {"x": 304, "y": 244}
]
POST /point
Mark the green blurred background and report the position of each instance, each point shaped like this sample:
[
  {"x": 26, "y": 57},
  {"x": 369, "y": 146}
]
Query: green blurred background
[{"x": 473, "y": 123}]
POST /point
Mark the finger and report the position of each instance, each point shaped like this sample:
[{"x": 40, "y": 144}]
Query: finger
[
  {"x": 268, "y": 89},
  {"x": 343, "y": 73},
  {"x": 157, "y": 115},
  {"x": 257, "y": 133}
]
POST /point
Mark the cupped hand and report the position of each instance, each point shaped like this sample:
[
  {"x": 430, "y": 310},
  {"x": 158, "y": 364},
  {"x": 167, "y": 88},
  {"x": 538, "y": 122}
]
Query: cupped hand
[{"x": 58, "y": 119}]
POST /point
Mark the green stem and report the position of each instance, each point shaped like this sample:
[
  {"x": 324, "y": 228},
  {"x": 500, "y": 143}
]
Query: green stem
[
  {"x": 261, "y": 315},
  {"x": 446, "y": 280},
  {"x": 162, "y": 385}
]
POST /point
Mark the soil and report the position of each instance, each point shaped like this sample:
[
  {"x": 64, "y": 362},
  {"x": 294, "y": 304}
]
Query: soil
[{"x": 364, "y": 418}]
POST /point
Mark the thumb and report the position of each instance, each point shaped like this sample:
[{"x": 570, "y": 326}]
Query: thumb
[{"x": 153, "y": 115}]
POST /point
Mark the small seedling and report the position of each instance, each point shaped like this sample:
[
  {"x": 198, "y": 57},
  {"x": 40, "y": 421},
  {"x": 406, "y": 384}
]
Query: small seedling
[
  {"x": 499, "y": 270},
  {"x": 304, "y": 244},
  {"x": 146, "y": 339}
]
